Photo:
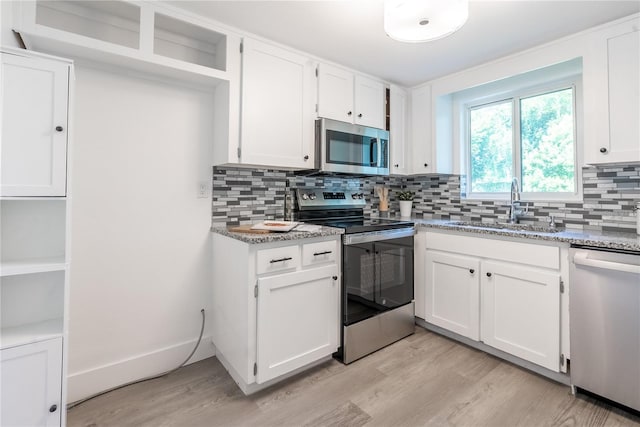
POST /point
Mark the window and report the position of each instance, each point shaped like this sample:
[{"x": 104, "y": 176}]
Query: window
[{"x": 530, "y": 135}]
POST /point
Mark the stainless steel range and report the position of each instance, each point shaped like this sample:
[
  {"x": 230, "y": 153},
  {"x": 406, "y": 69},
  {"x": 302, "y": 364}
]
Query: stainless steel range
[{"x": 377, "y": 269}]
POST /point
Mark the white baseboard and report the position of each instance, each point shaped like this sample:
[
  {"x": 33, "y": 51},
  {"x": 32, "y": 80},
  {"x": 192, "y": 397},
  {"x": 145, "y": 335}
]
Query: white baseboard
[{"x": 91, "y": 381}]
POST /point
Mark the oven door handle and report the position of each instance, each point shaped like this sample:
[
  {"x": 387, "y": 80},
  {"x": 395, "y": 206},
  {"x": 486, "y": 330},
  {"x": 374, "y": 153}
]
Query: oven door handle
[{"x": 377, "y": 236}]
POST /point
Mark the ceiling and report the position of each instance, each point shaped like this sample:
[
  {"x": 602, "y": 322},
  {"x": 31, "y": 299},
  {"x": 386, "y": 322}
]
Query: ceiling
[{"x": 350, "y": 32}]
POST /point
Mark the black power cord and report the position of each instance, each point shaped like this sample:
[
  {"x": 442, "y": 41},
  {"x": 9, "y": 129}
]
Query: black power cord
[{"x": 74, "y": 404}]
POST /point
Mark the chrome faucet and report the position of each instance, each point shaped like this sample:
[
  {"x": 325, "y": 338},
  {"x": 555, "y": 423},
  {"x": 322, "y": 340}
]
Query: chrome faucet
[{"x": 514, "y": 202}]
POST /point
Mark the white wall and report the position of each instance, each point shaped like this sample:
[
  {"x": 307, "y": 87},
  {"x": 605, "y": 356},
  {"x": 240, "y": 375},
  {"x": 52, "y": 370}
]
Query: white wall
[
  {"x": 140, "y": 240},
  {"x": 6, "y": 35}
]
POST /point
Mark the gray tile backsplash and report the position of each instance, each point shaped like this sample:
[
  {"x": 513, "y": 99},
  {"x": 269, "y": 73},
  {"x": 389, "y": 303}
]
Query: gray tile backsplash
[{"x": 243, "y": 196}]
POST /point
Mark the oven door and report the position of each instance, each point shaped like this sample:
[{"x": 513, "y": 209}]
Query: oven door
[{"x": 377, "y": 273}]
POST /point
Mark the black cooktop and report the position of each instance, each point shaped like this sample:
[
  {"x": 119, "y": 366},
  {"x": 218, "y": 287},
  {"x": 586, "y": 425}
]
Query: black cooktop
[{"x": 361, "y": 225}]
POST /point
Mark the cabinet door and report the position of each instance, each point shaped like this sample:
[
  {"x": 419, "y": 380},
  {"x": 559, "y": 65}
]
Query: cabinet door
[
  {"x": 335, "y": 93},
  {"x": 277, "y": 107},
  {"x": 421, "y": 161},
  {"x": 31, "y": 384},
  {"x": 612, "y": 92},
  {"x": 521, "y": 312},
  {"x": 35, "y": 92},
  {"x": 398, "y": 130},
  {"x": 452, "y": 297},
  {"x": 624, "y": 97},
  {"x": 369, "y": 102},
  {"x": 298, "y": 320}
]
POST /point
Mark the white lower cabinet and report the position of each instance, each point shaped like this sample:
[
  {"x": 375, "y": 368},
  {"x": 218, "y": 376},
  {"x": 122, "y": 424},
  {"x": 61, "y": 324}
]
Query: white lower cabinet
[
  {"x": 505, "y": 294},
  {"x": 453, "y": 292},
  {"x": 521, "y": 312},
  {"x": 297, "y": 313},
  {"x": 31, "y": 384},
  {"x": 276, "y": 306}
]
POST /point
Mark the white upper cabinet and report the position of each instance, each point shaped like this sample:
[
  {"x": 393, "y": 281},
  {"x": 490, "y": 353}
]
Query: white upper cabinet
[
  {"x": 421, "y": 141},
  {"x": 612, "y": 96},
  {"x": 369, "y": 102},
  {"x": 398, "y": 129},
  {"x": 350, "y": 97},
  {"x": 335, "y": 93},
  {"x": 278, "y": 98},
  {"x": 34, "y": 126}
]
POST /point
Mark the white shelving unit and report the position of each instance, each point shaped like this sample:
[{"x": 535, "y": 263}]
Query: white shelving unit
[
  {"x": 34, "y": 237},
  {"x": 145, "y": 36},
  {"x": 148, "y": 37}
]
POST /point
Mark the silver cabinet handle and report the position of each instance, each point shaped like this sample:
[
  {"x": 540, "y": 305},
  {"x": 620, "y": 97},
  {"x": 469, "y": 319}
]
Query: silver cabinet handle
[
  {"x": 322, "y": 253},
  {"x": 280, "y": 260}
]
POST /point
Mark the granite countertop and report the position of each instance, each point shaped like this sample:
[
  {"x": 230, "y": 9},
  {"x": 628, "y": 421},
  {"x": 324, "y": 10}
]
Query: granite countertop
[
  {"x": 276, "y": 236},
  {"x": 599, "y": 239}
]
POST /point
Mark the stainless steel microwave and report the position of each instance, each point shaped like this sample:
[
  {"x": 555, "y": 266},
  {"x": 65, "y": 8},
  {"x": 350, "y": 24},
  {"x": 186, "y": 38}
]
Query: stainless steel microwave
[{"x": 353, "y": 149}]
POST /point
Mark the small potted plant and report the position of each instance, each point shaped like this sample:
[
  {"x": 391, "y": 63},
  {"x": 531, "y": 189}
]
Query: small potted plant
[{"x": 406, "y": 202}]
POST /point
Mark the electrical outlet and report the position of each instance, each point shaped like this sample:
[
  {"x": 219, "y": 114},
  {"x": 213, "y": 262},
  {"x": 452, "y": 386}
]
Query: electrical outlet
[{"x": 204, "y": 190}]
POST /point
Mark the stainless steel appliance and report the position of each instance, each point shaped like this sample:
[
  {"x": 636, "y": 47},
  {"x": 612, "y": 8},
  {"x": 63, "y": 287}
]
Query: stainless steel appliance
[
  {"x": 347, "y": 148},
  {"x": 605, "y": 323},
  {"x": 377, "y": 270}
]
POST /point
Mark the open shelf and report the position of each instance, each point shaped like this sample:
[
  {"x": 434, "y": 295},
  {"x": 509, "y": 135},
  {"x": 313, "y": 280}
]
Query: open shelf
[
  {"x": 31, "y": 332},
  {"x": 143, "y": 36},
  {"x": 186, "y": 42},
  {"x": 31, "y": 299},
  {"x": 29, "y": 266},
  {"x": 32, "y": 230},
  {"x": 109, "y": 21}
]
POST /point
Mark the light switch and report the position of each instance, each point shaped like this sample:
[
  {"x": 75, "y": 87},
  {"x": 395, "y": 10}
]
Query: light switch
[{"x": 204, "y": 189}]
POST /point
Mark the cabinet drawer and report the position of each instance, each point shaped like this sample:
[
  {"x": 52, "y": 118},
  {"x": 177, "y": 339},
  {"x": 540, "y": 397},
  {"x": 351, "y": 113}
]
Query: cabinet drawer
[
  {"x": 523, "y": 253},
  {"x": 277, "y": 259},
  {"x": 319, "y": 253}
]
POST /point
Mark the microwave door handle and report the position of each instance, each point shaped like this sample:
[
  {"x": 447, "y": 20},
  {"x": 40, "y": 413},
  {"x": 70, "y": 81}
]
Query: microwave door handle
[{"x": 372, "y": 149}]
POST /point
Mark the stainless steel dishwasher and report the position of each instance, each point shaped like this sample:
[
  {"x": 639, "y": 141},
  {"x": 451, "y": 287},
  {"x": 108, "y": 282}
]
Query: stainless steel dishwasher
[{"x": 605, "y": 323}]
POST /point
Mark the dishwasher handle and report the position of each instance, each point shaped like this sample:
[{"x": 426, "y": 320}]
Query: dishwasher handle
[{"x": 582, "y": 258}]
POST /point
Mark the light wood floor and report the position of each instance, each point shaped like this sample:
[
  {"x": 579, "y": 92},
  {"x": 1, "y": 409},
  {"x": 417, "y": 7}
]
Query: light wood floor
[{"x": 424, "y": 379}]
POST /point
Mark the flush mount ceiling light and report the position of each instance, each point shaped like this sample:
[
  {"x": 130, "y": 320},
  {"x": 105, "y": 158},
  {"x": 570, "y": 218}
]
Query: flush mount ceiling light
[{"x": 416, "y": 21}]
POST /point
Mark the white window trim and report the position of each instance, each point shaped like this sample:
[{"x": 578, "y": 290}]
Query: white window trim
[{"x": 515, "y": 94}]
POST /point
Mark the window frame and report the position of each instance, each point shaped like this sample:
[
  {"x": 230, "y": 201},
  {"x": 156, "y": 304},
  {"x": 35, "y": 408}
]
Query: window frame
[{"x": 515, "y": 95}]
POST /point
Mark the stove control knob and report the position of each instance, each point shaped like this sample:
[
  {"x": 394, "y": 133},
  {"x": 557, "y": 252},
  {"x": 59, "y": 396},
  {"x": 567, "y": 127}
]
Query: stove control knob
[
  {"x": 360, "y": 195},
  {"x": 305, "y": 196},
  {"x": 312, "y": 196},
  {"x": 354, "y": 196}
]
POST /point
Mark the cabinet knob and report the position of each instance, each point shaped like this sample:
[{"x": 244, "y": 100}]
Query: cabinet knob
[
  {"x": 471, "y": 270},
  {"x": 426, "y": 165},
  {"x": 335, "y": 277},
  {"x": 360, "y": 115},
  {"x": 488, "y": 274},
  {"x": 349, "y": 113},
  {"x": 53, "y": 408},
  {"x": 59, "y": 128},
  {"x": 396, "y": 165},
  {"x": 603, "y": 150},
  {"x": 306, "y": 158}
]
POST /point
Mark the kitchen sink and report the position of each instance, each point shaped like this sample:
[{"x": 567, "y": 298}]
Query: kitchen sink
[{"x": 506, "y": 226}]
